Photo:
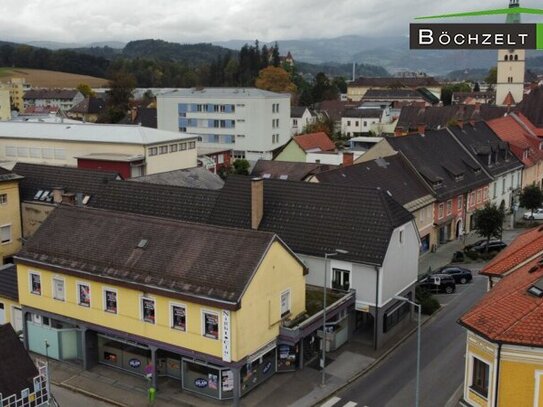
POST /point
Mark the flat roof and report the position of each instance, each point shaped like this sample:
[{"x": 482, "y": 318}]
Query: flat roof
[
  {"x": 226, "y": 93},
  {"x": 111, "y": 157},
  {"x": 96, "y": 133}
]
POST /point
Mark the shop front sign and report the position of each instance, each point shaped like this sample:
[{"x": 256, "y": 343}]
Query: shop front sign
[
  {"x": 135, "y": 363},
  {"x": 226, "y": 331},
  {"x": 201, "y": 383}
]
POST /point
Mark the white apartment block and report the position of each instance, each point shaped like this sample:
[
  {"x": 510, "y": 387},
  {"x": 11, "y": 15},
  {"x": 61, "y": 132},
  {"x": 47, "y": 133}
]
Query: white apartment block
[{"x": 252, "y": 122}]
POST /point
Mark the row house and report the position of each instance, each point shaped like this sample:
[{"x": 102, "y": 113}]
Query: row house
[
  {"x": 10, "y": 215},
  {"x": 503, "y": 361},
  {"x": 300, "y": 118},
  {"x": 524, "y": 144},
  {"x": 65, "y": 99},
  {"x": 159, "y": 297},
  {"x": 397, "y": 177},
  {"x": 456, "y": 178}
]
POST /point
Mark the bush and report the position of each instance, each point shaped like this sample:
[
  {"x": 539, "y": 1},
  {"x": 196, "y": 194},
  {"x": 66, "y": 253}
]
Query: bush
[{"x": 428, "y": 303}]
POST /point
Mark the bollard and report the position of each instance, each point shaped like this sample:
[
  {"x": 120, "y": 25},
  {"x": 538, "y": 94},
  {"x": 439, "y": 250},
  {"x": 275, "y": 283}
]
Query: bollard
[{"x": 152, "y": 393}]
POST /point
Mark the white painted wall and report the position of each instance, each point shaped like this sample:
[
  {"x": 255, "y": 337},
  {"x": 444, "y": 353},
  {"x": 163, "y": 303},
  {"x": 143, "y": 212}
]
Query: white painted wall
[
  {"x": 352, "y": 125},
  {"x": 298, "y": 124},
  {"x": 503, "y": 186}
]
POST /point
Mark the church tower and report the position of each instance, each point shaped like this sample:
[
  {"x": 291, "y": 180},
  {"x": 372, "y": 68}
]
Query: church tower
[{"x": 511, "y": 67}]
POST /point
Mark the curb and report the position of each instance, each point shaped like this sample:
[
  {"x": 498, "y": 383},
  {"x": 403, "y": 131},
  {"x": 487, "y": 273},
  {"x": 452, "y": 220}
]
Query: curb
[
  {"x": 88, "y": 393},
  {"x": 358, "y": 375}
]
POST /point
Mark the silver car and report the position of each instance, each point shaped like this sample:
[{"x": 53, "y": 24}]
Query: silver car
[{"x": 537, "y": 215}]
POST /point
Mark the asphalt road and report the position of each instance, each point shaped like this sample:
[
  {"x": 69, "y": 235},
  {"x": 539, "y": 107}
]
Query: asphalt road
[
  {"x": 68, "y": 398},
  {"x": 443, "y": 345}
]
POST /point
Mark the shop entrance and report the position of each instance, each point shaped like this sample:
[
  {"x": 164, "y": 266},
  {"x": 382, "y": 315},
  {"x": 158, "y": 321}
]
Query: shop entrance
[{"x": 128, "y": 356}]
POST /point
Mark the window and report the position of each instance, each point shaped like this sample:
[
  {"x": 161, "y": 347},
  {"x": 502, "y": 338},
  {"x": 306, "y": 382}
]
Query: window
[
  {"x": 3, "y": 199},
  {"x": 479, "y": 196},
  {"x": 472, "y": 198},
  {"x": 183, "y": 146},
  {"x": 495, "y": 188},
  {"x": 153, "y": 151},
  {"x": 35, "y": 283},
  {"x": 449, "y": 207},
  {"x": 479, "y": 378},
  {"x": 440, "y": 211},
  {"x": 460, "y": 202},
  {"x": 285, "y": 303},
  {"x": 110, "y": 300},
  {"x": 295, "y": 123},
  {"x": 348, "y": 122},
  {"x": 356, "y": 123},
  {"x": 341, "y": 279},
  {"x": 58, "y": 289},
  {"x": 5, "y": 234},
  {"x": 83, "y": 294},
  {"x": 400, "y": 237},
  {"x": 148, "y": 310},
  {"x": 210, "y": 324},
  {"x": 163, "y": 150},
  {"x": 179, "y": 317},
  {"x": 183, "y": 129},
  {"x": 365, "y": 123},
  {"x": 192, "y": 145},
  {"x": 173, "y": 148}
]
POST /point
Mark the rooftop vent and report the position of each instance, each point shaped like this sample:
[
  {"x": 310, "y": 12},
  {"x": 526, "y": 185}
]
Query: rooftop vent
[{"x": 143, "y": 243}]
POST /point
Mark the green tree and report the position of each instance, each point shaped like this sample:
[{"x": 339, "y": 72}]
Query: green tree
[
  {"x": 476, "y": 87},
  {"x": 489, "y": 222},
  {"x": 241, "y": 166},
  {"x": 323, "y": 124},
  {"x": 120, "y": 93},
  {"x": 531, "y": 198},
  {"x": 492, "y": 77},
  {"x": 448, "y": 90},
  {"x": 85, "y": 90}
]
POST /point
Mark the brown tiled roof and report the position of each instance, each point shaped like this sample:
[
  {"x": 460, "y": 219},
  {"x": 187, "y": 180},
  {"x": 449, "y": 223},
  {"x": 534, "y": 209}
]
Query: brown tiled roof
[
  {"x": 17, "y": 370},
  {"x": 362, "y": 113},
  {"x": 436, "y": 117},
  {"x": 525, "y": 246},
  {"x": 8, "y": 282},
  {"x": 531, "y": 106},
  {"x": 509, "y": 100},
  {"x": 50, "y": 94},
  {"x": 315, "y": 141},
  {"x": 508, "y": 313},
  {"x": 395, "y": 82},
  {"x": 287, "y": 170},
  {"x": 334, "y": 108},
  {"x": 314, "y": 218},
  {"x": 188, "y": 260},
  {"x": 89, "y": 105}
]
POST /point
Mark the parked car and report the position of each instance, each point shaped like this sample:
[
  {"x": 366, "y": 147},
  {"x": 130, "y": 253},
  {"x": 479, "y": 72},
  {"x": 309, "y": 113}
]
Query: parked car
[
  {"x": 493, "y": 247},
  {"x": 460, "y": 275},
  {"x": 537, "y": 215},
  {"x": 438, "y": 282},
  {"x": 478, "y": 243}
]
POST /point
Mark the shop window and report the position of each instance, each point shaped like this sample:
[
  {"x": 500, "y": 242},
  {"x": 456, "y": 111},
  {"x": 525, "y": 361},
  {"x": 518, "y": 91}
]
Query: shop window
[
  {"x": 83, "y": 294},
  {"x": 110, "y": 300},
  {"x": 211, "y": 325},
  {"x": 285, "y": 303},
  {"x": 479, "y": 378},
  {"x": 35, "y": 283},
  {"x": 58, "y": 289},
  {"x": 148, "y": 310},
  {"x": 179, "y": 317},
  {"x": 341, "y": 279}
]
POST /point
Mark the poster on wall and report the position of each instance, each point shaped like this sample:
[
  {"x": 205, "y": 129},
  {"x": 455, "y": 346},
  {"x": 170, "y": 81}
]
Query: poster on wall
[
  {"x": 211, "y": 322},
  {"x": 227, "y": 380},
  {"x": 178, "y": 316},
  {"x": 111, "y": 301},
  {"x": 213, "y": 381},
  {"x": 35, "y": 283},
  {"x": 84, "y": 295},
  {"x": 148, "y": 310}
]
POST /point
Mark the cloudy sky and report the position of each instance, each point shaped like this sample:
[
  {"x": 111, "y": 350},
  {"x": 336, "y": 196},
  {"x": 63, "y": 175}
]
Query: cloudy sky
[{"x": 218, "y": 20}]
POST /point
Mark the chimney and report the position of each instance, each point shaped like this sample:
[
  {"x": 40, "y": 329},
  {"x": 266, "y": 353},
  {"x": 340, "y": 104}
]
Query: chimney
[
  {"x": 68, "y": 199},
  {"x": 257, "y": 202},
  {"x": 57, "y": 194},
  {"x": 348, "y": 158}
]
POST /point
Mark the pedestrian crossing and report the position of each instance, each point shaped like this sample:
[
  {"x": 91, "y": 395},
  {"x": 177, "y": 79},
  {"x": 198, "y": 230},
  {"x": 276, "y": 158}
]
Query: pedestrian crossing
[{"x": 336, "y": 402}]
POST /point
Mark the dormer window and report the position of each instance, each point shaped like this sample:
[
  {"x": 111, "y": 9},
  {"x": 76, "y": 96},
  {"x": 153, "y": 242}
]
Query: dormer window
[
  {"x": 525, "y": 154},
  {"x": 459, "y": 177},
  {"x": 541, "y": 145},
  {"x": 476, "y": 171},
  {"x": 437, "y": 184}
]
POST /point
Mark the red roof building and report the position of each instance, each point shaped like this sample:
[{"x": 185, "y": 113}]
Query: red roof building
[{"x": 315, "y": 142}]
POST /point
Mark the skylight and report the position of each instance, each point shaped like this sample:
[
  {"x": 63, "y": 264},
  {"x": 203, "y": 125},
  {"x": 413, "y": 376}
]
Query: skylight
[
  {"x": 538, "y": 292},
  {"x": 38, "y": 194}
]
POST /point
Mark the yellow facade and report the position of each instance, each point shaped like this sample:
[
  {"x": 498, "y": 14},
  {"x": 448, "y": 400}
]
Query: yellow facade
[
  {"x": 10, "y": 218},
  {"x": 485, "y": 351},
  {"x": 532, "y": 175},
  {"x": 17, "y": 92},
  {"x": 252, "y": 327},
  {"x": 5, "y": 107}
]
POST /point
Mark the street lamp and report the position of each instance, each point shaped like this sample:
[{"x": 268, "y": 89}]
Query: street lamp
[
  {"x": 323, "y": 361},
  {"x": 417, "y": 383}
]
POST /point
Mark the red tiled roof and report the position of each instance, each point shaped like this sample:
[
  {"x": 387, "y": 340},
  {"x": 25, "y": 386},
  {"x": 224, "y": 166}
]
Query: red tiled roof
[
  {"x": 315, "y": 141},
  {"x": 525, "y": 246},
  {"x": 509, "y": 130},
  {"x": 509, "y": 100},
  {"x": 508, "y": 313},
  {"x": 536, "y": 130}
]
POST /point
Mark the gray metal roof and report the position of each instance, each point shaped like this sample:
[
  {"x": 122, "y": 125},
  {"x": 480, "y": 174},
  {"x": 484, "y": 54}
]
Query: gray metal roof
[{"x": 226, "y": 93}]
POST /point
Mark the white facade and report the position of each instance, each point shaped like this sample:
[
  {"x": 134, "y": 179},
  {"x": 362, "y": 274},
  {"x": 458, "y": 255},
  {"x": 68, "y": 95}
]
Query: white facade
[
  {"x": 511, "y": 67},
  {"x": 60, "y": 144},
  {"x": 330, "y": 158},
  {"x": 503, "y": 187},
  {"x": 352, "y": 126},
  {"x": 64, "y": 104},
  {"x": 298, "y": 124},
  {"x": 251, "y": 122}
]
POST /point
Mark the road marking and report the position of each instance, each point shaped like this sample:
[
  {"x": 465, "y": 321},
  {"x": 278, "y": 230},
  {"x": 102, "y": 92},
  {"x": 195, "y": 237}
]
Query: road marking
[
  {"x": 351, "y": 404},
  {"x": 331, "y": 402}
]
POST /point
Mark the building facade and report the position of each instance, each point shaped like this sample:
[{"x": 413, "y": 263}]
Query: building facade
[{"x": 252, "y": 122}]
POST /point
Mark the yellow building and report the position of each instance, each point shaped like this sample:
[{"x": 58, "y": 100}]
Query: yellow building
[
  {"x": 5, "y": 107},
  {"x": 10, "y": 310},
  {"x": 504, "y": 352},
  {"x": 199, "y": 303},
  {"x": 10, "y": 215},
  {"x": 16, "y": 88}
]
